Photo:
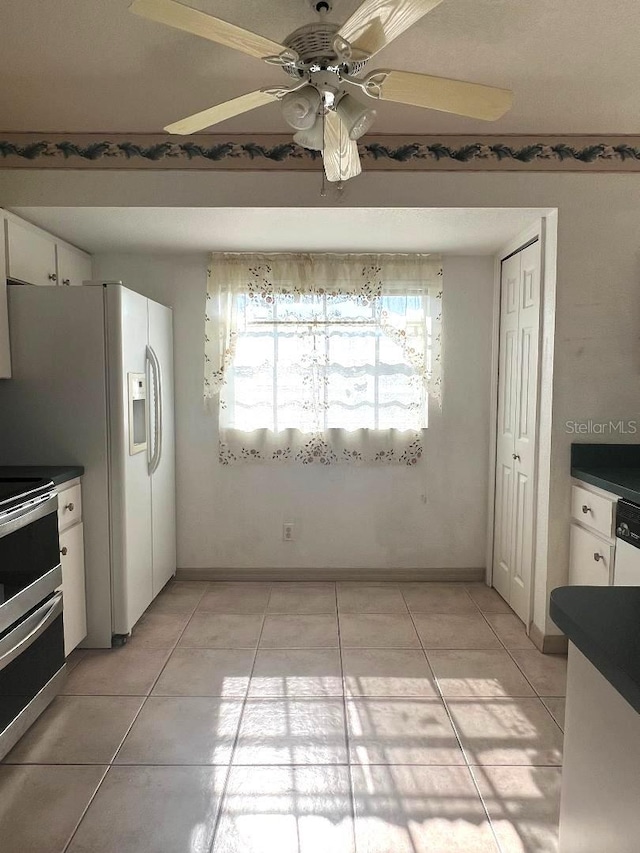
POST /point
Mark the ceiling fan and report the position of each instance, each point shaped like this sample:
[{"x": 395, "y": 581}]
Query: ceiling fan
[{"x": 326, "y": 61}]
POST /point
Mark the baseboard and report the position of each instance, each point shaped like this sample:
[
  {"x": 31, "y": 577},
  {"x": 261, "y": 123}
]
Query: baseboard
[
  {"x": 549, "y": 644},
  {"x": 298, "y": 574}
]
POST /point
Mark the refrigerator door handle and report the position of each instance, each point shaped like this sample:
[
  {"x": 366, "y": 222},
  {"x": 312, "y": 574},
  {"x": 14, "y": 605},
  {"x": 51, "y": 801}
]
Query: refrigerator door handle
[
  {"x": 159, "y": 396},
  {"x": 156, "y": 371},
  {"x": 152, "y": 442}
]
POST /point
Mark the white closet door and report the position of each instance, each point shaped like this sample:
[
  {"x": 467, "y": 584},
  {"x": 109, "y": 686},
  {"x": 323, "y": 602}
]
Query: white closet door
[
  {"x": 516, "y": 433},
  {"x": 507, "y": 407},
  {"x": 525, "y": 436}
]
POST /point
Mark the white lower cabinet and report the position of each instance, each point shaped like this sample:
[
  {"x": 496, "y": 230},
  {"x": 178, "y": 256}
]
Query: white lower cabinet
[
  {"x": 592, "y": 542},
  {"x": 590, "y": 560},
  {"x": 71, "y": 533},
  {"x": 73, "y": 587}
]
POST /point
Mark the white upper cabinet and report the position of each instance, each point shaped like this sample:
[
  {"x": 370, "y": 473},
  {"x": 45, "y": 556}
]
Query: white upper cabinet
[
  {"x": 36, "y": 257},
  {"x": 31, "y": 255},
  {"x": 74, "y": 267}
]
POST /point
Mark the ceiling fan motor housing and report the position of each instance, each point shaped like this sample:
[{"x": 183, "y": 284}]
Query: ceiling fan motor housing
[{"x": 314, "y": 45}]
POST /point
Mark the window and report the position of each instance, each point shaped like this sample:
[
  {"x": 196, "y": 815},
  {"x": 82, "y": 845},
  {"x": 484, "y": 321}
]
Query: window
[{"x": 323, "y": 358}]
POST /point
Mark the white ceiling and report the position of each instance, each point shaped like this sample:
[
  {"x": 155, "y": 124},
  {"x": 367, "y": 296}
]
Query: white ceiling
[
  {"x": 449, "y": 230},
  {"x": 89, "y": 65}
]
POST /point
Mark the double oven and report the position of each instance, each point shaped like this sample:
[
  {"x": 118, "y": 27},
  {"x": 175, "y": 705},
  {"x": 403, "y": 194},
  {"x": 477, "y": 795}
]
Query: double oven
[{"x": 31, "y": 631}]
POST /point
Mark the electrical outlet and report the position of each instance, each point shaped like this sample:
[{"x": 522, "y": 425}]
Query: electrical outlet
[{"x": 287, "y": 531}]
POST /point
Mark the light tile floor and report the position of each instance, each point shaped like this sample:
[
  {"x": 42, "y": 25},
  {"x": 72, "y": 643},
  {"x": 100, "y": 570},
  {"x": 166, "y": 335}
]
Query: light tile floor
[{"x": 299, "y": 718}]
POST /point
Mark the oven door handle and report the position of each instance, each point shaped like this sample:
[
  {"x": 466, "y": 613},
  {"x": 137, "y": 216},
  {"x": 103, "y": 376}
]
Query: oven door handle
[
  {"x": 23, "y": 516},
  {"x": 26, "y": 633}
]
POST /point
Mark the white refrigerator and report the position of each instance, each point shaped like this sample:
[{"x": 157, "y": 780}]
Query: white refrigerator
[{"x": 92, "y": 385}]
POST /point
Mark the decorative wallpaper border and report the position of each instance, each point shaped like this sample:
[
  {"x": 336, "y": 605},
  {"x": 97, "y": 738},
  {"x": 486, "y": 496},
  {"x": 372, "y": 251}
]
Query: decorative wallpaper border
[{"x": 277, "y": 152}]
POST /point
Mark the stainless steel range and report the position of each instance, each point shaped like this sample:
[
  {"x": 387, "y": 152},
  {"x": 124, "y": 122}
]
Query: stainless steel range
[{"x": 31, "y": 631}]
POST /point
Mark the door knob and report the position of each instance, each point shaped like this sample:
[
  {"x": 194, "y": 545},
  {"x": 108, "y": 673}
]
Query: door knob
[
  {"x": 66, "y": 281},
  {"x": 69, "y": 506},
  {"x": 586, "y": 509},
  {"x": 53, "y": 276},
  {"x": 597, "y": 557},
  {"x": 64, "y": 550}
]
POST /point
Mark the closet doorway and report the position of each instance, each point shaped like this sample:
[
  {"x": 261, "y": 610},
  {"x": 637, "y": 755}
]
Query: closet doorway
[{"x": 517, "y": 421}]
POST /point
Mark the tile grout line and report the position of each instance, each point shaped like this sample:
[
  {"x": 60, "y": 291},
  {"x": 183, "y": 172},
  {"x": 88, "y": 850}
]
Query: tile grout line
[
  {"x": 467, "y": 765},
  {"x": 536, "y": 694},
  {"x": 521, "y": 670},
  {"x": 424, "y": 652},
  {"x": 352, "y": 791},
  {"x": 86, "y": 809},
  {"x": 245, "y": 698},
  {"x": 223, "y": 792},
  {"x": 162, "y": 669},
  {"x": 144, "y": 702}
]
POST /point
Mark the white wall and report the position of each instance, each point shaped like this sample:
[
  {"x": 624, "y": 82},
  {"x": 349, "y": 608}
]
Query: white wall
[
  {"x": 430, "y": 516},
  {"x": 596, "y": 354}
]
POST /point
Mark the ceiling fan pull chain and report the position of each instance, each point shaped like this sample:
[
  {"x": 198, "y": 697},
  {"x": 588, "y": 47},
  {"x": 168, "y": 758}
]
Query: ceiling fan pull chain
[
  {"x": 323, "y": 185},
  {"x": 340, "y": 185}
]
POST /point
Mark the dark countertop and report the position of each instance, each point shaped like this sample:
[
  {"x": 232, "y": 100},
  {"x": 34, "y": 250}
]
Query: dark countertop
[
  {"x": 603, "y": 622},
  {"x": 612, "y": 467},
  {"x": 58, "y": 473},
  {"x": 624, "y": 482}
]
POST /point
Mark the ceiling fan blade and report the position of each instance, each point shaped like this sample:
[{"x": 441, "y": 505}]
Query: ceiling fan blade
[
  {"x": 377, "y": 22},
  {"x": 192, "y": 21},
  {"x": 340, "y": 154},
  {"x": 221, "y": 112},
  {"x": 440, "y": 93}
]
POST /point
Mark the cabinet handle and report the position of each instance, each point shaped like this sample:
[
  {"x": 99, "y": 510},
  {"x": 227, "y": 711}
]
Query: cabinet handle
[
  {"x": 586, "y": 509},
  {"x": 69, "y": 506},
  {"x": 66, "y": 281},
  {"x": 53, "y": 276},
  {"x": 515, "y": 456},
  {"x": 597, "y": 557},
  {"x": 64, "y": 550}
]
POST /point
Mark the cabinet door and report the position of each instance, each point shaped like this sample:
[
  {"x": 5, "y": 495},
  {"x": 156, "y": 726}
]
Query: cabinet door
[
  {"x": 32, "y": 257},
  {"x": 590, "y": 558},
  {"x": 69, "y": 507},
  {"x": 593, "y": 510},
  {"x": 74, "y": 267},
  {"x": 73, "y": 587}
]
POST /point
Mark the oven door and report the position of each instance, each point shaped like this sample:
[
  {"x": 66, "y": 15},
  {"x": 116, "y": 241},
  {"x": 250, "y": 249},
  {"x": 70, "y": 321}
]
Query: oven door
[
  {"x": 29, "y": 558},
  {"x": 31, "y": 669}
]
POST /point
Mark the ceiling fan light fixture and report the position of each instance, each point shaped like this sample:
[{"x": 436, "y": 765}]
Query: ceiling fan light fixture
[
  {"x": 356, "y": 117},
  {"x": 300, "y": 108},
  {"x": 325, "y": 58},
  {"x": 313, "y": 138}
]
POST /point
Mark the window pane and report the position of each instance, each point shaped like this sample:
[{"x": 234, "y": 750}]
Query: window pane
[{"x": 317, "y": 362}]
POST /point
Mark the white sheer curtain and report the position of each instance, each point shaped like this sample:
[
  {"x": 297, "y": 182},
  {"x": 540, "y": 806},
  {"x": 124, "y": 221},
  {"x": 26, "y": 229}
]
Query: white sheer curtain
[{"x": 323, "y": 358}]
